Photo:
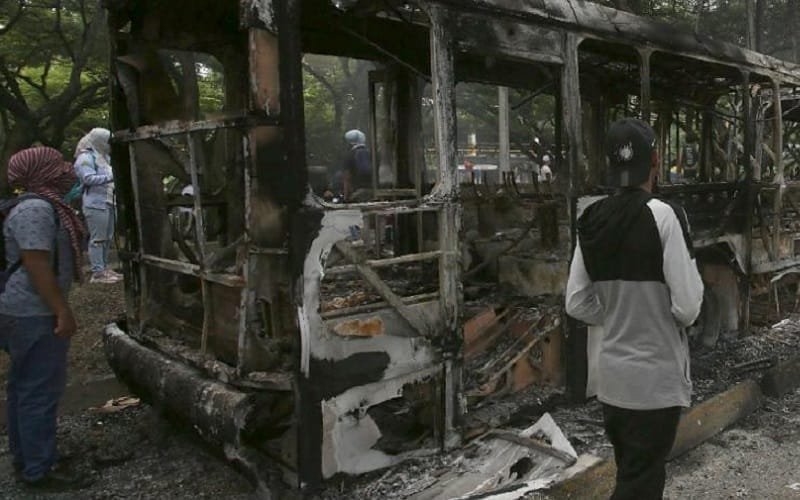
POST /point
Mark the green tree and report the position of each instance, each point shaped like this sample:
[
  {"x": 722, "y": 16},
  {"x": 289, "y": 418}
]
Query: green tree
[{"x": 53, "y": 72}]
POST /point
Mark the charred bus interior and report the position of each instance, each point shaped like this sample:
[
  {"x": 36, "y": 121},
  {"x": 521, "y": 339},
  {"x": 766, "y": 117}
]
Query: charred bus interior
[{"x": 315, "y": 336}]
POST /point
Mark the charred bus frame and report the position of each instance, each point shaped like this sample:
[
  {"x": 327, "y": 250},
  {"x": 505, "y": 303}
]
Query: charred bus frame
[{"x": 224, "y": 324}]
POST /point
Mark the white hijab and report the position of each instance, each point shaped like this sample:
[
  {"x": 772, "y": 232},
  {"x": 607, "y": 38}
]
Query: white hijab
[{"x": 96, "y": 140}]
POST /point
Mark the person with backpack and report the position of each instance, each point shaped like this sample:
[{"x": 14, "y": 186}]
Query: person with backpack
[
  {"x": 42, "y": 242},
  {"x": 93, "y": 167},
  {"x": 357, "y": 168}
]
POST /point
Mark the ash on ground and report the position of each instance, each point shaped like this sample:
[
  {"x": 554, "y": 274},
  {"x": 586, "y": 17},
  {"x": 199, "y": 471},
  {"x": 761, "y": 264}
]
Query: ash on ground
[
  {"x": 714, "y": 371},
  {"x": 133, "y": 453}
]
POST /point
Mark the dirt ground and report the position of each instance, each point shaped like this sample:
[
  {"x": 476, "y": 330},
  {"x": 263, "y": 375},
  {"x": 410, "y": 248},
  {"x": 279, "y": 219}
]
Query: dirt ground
[
  {"x": 135, "y": 453},
  {"x": 758, "y": 458},
  {"x": 94, "y": 306}
]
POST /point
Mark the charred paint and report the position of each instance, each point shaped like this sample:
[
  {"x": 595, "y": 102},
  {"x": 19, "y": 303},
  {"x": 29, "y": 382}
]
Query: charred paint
[
  {"x": 370, "y": 327},
  {"x": 334, "y": 377}
]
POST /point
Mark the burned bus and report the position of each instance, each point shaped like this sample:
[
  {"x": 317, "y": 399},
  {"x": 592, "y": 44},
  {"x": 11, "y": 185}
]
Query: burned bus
[{"x": 310, "y": 337}]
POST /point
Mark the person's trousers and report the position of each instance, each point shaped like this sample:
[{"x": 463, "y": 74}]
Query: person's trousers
[
  {"x": 36, "y": 381},
  {"x": 101, "y": 236},
  {"x": 642, "y": 441}
]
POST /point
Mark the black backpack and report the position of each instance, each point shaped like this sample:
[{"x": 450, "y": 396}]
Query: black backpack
[{"x": 5, "y": 208}]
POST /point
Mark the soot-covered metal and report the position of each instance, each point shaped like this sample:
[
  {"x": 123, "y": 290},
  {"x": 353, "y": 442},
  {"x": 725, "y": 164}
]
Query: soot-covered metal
[{"x": 329, "y": 338}]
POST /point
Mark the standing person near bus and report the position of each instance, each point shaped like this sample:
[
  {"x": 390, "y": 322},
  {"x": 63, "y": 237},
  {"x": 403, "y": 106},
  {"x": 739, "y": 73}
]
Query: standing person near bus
[
  {"x": 93, "y": 166},
  {"x": 633, "y": 273},
  {"x": 357, "y": 167},
  {"x": 43, "y": 243}
]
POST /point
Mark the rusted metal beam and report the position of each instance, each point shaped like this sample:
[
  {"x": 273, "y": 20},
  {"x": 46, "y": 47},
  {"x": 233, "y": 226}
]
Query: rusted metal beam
[
  {"x": 779, "y": 180},
  {"x": 386, "y": 207},
  {"x": 447, "y": 189},
  {"x": 750, "y": 196},
  {"x": 570, "y": 114},
  {"x": 444, "y": 101},
  {"x": 644, "y": 81},
  {"x": 137, "y": 203},
  {"x": 367, "y": 308},
  {"x": 247, "y": 298},
  {"x": 179, "y": 127},
  {"x": 705, "y": 172},
  {"x": 229, "y": 280},
  {"x": 504, "y": 130},
  {"x": 375, "y": 281},
  {"x": 403, "y": 259},
  {"x": 200, "y": 240}
]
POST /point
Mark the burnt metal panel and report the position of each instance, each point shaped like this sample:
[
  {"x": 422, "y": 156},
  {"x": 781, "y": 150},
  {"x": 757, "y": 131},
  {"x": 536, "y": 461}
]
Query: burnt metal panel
[
  {"x": 478, "y": 35},
  {"x": 590, "y": 18}
]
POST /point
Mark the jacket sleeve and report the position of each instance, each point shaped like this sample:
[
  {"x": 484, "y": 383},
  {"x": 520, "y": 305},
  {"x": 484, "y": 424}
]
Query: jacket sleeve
[
  {"x": 680, "y": 269},
  {"x": 87, "y": 173},
  {"x": 582, "y": 302}
]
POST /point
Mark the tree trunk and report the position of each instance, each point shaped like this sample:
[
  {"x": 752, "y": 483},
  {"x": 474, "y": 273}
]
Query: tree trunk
[
  {"x": 793, "y": 18},
  {"x": 750, "y": 13},
  {"x": 758, "y": 24},
  {"x": 22, "y": 135}
]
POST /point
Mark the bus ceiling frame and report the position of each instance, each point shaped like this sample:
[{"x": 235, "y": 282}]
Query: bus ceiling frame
[{"x": 237, "y": 297}]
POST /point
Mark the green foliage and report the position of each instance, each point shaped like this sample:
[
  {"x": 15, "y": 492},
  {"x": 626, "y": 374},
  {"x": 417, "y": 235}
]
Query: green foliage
[
  {"x": 336, "y": 98},
  {"x": 53, "y": 72}
]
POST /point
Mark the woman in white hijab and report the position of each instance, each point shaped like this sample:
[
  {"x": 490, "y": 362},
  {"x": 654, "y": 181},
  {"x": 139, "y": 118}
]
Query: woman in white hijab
[{"x": 93, "y": 166}]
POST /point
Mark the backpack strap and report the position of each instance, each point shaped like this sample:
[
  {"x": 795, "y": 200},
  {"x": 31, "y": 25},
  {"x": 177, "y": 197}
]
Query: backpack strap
[
  {"x": 5, "y": 208},
  {"x": 84, "y": 187}
]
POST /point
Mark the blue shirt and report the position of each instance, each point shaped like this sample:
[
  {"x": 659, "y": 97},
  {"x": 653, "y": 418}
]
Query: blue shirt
[
  {"x": 97, "y": 181},
  {"x": 31, "y": 225}
]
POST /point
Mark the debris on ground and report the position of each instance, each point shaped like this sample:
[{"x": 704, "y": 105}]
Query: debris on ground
[
  {"x": 134, "y": 453},
  {"x": 502, "y": 464},
  {"x": 117, "y": 404}
]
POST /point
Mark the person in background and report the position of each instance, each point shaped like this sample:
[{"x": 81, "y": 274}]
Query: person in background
[
  {"x": 689, "y": 158},
  {"x": 356, "y": 168},
  {"x": 675, "y": 176},
  {"x": 545, "y": 171},
  {"x": 633, "y": 273},
  {"x": 93, "y": 166},
  {"x": 43, "y": 241},
  {"x": 529, "y": 172}
]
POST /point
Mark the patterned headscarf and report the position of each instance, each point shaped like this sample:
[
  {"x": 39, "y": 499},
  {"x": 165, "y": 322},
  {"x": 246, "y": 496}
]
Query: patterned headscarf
[{"x": 44, "y": 172}]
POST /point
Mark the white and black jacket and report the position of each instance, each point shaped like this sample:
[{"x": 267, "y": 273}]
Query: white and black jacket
[{"x": 633, "y": 273}]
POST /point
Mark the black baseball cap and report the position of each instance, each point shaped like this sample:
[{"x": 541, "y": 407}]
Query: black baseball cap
[{"x": 629, "y": 149}]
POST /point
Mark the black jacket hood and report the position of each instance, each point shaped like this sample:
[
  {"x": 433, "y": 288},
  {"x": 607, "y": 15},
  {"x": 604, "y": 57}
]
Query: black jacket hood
[{"x": 603, "y": 225}]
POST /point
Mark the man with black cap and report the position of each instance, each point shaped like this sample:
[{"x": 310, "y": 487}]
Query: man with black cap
[{"x": 633, "y": 274}]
